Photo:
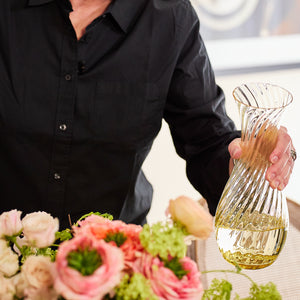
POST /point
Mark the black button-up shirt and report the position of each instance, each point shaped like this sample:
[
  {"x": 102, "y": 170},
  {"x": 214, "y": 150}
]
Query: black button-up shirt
[{"x": 78, "y": 118}]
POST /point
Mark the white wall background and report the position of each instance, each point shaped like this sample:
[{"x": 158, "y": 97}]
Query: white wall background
[{"x": 166, "y": 170}]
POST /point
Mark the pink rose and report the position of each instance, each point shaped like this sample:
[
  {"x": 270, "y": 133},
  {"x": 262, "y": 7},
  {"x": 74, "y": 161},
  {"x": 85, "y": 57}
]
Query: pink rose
[
  {"x": 165, "y": 284},
  {"x": 192, "y": 215},
  {"x": 71, "y": 284},
  {"x": 39, "y": 229},
  {"x": 10, "y": 223}
]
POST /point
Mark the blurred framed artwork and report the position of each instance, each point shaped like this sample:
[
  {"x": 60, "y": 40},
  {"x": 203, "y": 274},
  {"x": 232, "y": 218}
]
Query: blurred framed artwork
[{"x": 250, "y": 35}]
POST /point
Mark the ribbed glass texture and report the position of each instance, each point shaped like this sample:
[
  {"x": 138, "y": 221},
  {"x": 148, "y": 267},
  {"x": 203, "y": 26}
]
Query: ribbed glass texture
[{"x": 252, "y": 219}]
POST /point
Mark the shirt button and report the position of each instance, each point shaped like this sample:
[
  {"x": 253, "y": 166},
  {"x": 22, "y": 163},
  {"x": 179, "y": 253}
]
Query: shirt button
[
  {"x": 68, "y": 77},
  {"x": 56, "y": 176},
  {"x": 63, "y": 127},
  {"x": 81, "y": 67}
]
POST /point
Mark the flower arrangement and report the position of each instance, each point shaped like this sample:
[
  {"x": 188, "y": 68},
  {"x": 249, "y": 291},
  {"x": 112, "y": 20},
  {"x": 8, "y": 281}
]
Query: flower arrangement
[{"x": 101, "y": 258}]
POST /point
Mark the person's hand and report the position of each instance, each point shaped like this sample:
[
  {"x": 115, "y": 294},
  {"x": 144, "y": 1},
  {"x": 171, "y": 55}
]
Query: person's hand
[{"x": 282, "y": 159}]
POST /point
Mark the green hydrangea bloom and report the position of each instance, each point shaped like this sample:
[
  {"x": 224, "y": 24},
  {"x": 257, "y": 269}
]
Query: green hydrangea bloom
[
  {"x": 163, "y": 240},
  {"x": 135, "y": 288}
]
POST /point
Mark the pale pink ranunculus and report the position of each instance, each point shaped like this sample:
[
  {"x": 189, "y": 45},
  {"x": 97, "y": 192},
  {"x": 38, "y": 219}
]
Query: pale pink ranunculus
[
  {"x": 10, "y": 223},
  {"x": 39, "y": 229},
  {"x": 7, "y": 289},
  {"x": 71, "y": 284},
  {"x": 165, "y": 284},
  {"x": 9, "y": 261},
  {"x": 192, "y": 215},
  {"x": 38, "y": 272}
]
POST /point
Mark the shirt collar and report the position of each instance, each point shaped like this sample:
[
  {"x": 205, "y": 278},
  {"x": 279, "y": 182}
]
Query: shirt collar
[{"x": 125, "y": 12}]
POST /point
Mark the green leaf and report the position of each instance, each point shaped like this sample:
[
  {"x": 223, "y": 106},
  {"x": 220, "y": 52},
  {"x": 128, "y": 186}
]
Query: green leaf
[
  {"x": 27, "y": 251},
  {"x": 63, "y": 235}
]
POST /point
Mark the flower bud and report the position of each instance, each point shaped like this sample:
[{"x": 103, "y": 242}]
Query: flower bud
[
  {"x": 192, "y": 215},
  {"x": 10, "y": 223}
]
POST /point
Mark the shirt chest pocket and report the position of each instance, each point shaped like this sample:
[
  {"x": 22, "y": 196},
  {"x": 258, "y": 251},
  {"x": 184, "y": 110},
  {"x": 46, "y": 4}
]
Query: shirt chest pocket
[{"x": 118, "y": 111}]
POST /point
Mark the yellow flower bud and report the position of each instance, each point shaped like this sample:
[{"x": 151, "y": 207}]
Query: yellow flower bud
[{"x": 192, "y": 215}]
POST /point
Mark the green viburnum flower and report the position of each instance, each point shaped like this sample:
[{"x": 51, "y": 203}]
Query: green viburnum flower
[
  {"x": 85, "y": 261},
  {"x": 135, "y": 288},
  {"x": 263, "y": 292},
  {"x": 221, "y": 289},
  {"x": 218, "y": 290},
  {"x": 163, "y": 240}
]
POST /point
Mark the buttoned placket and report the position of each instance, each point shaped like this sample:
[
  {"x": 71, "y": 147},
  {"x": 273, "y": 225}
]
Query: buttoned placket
[{"x": 64, "y": 119}]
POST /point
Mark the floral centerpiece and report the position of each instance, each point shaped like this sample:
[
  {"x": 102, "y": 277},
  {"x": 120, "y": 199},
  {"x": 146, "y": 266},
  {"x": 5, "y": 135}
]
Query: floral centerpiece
[{"x": 101, "y": 258}]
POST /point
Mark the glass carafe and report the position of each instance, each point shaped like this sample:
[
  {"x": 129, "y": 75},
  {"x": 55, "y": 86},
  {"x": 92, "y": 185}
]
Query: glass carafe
[{"x": 252, "y": 218}]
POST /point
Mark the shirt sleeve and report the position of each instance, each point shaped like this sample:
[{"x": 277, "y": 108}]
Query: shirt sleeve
[{"x": 195, "y": 111}]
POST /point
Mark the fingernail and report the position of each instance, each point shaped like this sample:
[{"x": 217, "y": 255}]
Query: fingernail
[
  {"x": 281, "y": 187},
  {"x": 276, "y": 184},
  {"x": 274, "y": 159}
]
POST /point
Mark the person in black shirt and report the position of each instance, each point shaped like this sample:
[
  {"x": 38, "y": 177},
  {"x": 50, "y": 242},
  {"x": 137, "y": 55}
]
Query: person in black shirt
[{"x": 84, "y": 86}]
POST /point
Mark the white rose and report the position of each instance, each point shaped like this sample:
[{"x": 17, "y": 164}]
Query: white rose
[
  {"x": 20, "y": 284},
  {"x": 9, "y": 262},
  {"x": 40, "y": 294},
  {"x": 10, "y": 223},
  {"x": 7, "y": 289},
  {"x": 38, "y": 272},
  {"x": 39, "y": 229}
]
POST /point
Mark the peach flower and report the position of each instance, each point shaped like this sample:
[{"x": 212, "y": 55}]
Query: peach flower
[
  {"x": 102, "y": 228},
  {"x": 192, "y": 215},
  {"x": 39, "y": 229},
  {"x": 10, "y": 223},
  {"x": 71, "y": 284}
]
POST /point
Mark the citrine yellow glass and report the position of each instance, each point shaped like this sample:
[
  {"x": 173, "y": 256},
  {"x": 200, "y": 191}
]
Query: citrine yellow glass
[{"x": 252, "y": 218}]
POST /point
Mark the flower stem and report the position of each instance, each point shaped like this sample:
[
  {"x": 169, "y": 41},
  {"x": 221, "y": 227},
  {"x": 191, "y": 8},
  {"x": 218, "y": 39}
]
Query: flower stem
[{"x": 230, "y": 271}]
